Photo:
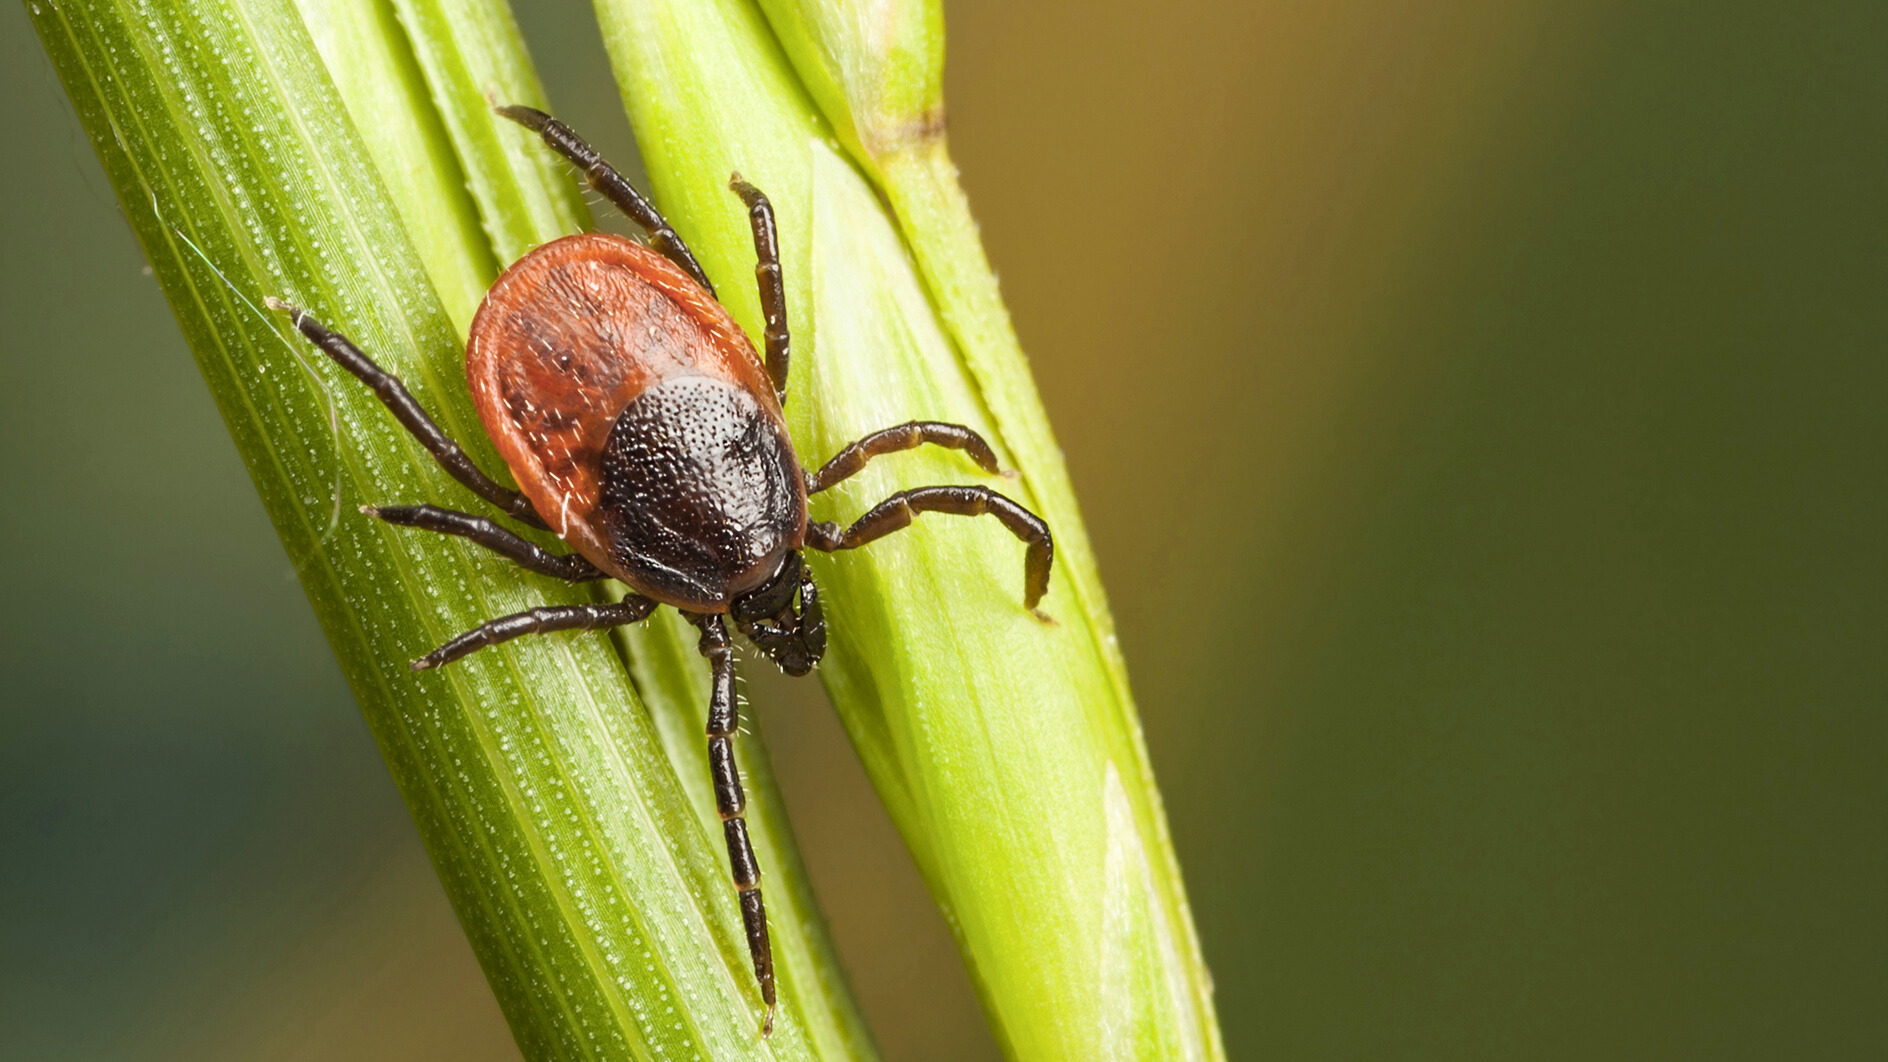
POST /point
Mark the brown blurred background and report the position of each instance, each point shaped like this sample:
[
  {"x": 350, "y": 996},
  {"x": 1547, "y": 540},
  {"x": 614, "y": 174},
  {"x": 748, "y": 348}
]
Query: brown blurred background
[{"x": 1477, "y": 407}]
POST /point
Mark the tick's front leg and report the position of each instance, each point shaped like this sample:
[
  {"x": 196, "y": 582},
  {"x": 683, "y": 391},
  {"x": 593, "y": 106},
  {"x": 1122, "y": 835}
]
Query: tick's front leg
[{"x": 723, "y": 720}]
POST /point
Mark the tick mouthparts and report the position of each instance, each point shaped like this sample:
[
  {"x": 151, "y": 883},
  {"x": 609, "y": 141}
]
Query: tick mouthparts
[{"x": 279, "y": 306}]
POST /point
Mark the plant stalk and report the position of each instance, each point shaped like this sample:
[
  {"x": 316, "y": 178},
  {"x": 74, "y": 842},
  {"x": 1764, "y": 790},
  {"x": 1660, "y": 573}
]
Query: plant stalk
[
  {"x": 1007, "y": 750},
  {"x": 593, "y": 893}
]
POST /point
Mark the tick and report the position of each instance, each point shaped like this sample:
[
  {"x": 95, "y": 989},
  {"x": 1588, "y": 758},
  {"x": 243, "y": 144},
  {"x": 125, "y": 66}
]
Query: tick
[{"x": 644, "y": 430}]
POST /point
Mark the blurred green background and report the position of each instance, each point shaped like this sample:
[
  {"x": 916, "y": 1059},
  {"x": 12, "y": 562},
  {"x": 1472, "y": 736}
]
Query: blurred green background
[{"x": 1478, "y": 409}]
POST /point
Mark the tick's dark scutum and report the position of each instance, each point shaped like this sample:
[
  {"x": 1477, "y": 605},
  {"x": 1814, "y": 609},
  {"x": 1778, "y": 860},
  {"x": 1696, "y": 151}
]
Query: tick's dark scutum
[{"x": 701, "y": 494}]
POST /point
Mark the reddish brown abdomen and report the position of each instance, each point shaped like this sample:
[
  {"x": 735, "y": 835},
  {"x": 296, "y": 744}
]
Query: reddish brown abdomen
[{"x": 567, "y": 338}]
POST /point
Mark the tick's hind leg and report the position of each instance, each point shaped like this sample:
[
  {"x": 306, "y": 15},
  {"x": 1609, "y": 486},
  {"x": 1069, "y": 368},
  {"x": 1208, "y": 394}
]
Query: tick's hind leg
[
  {"x": 908, "y": 436},
  {"x": 723, "y": 720},
  {"x": 773, "y": 291},
  {"x": 398, "y": 400},
  {"x": 632, "y": 609},
  {"x": 897, "y": 512},
  {"x": 614, "y": 186},
  {"x": 570, "y": 567}
]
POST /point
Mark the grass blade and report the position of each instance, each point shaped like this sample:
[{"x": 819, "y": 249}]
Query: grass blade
[
  {"x": 1007, "y": 751},
  {"x": 595, "y": 899}
]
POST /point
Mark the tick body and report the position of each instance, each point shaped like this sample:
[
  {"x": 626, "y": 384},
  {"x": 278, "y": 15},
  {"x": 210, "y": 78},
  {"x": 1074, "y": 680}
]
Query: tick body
[
  {"x": 637, "y": 421},
  {"x": 644, "y": 430}
]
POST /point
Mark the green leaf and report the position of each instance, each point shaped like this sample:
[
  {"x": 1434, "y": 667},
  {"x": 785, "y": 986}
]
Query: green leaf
[
  {"x": 474, "y": 60},
  {"x": 1007, "y": 750},
  {"x": 387, "y": 97},
  {"x": 595, "y": 895},
  {"x": 875, "y": 67}
]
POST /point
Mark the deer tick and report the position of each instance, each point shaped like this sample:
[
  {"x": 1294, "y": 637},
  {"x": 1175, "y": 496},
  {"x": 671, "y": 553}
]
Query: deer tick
[{"x": 643, "y": 429}]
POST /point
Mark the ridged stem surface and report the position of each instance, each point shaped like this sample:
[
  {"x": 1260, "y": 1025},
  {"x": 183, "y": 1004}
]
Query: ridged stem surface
[{"x": 590, "y": 884}]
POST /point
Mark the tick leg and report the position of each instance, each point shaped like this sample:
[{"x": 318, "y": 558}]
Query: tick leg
[
  {"x": 632, "y": 609},
  {"x": 897, "y": 512},
  {"x": 773, "y": 292},
  {"x": 723, "y": 720},
  {"x": 570, "y": 567},
  {"x": 614, "y": 186},
  {"x": 394, "y": 395},
  {"x": 903, "y": 437}
]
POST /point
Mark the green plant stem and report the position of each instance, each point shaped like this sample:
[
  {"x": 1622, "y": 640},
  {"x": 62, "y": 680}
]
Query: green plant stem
[
  {"x": 475, "y": 59},
  {"x": 387, "y": 97},
  {"x": 1006, "y": 749},
  {"x": 473, "y": 48},
  {"x": 597, "y": 901},
  {"x": 920, "y": 182}
]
